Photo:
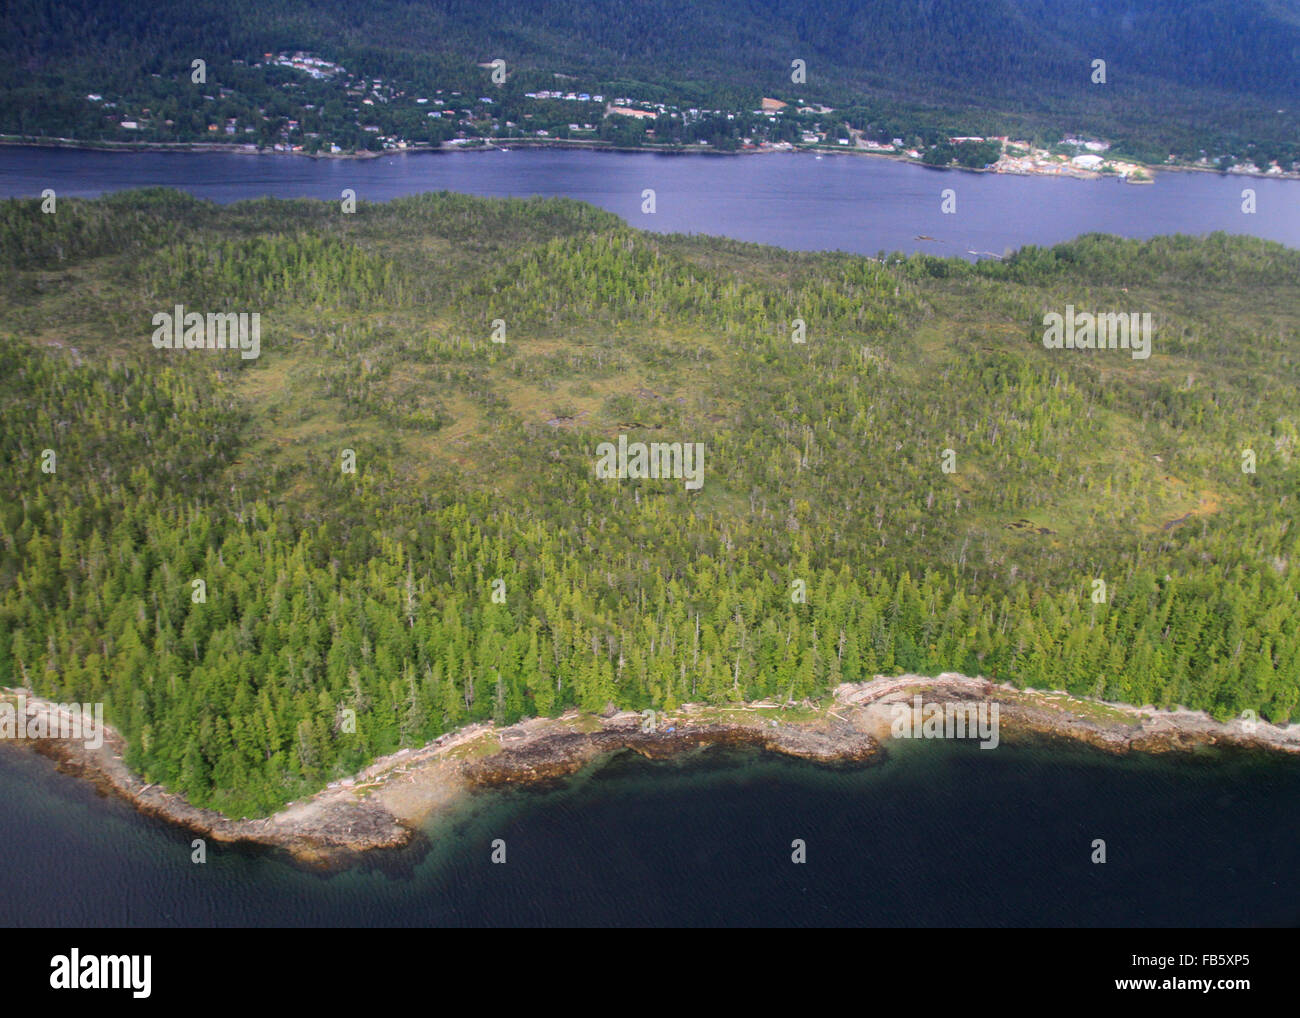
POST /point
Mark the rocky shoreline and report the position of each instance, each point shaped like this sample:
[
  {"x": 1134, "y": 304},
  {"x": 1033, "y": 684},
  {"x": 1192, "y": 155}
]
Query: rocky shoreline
[{"x": 385, "y": 805}]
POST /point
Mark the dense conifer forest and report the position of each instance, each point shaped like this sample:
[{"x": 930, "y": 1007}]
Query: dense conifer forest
[{"x": 474, "y": 566}]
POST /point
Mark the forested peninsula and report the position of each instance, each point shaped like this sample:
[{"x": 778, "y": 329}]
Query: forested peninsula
[{"x": 389, "y": 523}]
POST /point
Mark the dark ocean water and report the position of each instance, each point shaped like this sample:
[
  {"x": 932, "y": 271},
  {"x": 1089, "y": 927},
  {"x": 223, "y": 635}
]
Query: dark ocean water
[
  {"x": 851, "y": 203},
  {"x": 941, "y": 834}
]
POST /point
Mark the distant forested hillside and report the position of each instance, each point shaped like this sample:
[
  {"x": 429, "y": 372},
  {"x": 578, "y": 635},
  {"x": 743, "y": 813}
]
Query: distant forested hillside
[
  {"x": 1181, "y": 75},
  {"x": 475, "y": 566}
]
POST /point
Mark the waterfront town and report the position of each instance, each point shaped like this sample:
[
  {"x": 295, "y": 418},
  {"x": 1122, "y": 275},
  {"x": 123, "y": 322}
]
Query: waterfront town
[{"x": 326, "y": 110}]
